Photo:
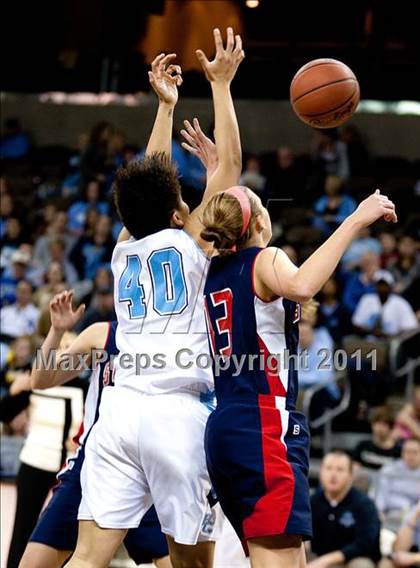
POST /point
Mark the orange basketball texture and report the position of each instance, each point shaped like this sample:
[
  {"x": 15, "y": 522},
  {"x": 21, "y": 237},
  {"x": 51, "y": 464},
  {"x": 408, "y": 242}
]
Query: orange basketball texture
[{"x": 324, "y": 93}]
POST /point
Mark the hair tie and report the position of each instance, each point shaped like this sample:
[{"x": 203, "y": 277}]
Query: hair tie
[{"x": 239, "y": 192}]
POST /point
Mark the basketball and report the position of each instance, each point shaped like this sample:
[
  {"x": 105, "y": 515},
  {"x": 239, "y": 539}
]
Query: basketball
[{"x": 324, "y": 93}]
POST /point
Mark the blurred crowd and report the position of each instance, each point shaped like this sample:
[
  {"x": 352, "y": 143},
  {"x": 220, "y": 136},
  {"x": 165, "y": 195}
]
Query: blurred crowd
[{"x": 58, "y": 227}]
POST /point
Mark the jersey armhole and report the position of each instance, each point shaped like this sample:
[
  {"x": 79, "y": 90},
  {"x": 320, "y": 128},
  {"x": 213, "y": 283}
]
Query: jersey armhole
[
  {"x": 107, "y": 336},
  {"x": 253, "y": 282}
]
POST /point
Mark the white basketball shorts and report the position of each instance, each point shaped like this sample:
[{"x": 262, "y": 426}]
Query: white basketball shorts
[{"x": 144, "y": 450}]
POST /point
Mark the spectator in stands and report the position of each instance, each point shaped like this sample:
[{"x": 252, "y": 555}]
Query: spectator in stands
[
  {"x": 14, "y": 142},
  {"x": 332, "y": 315},
  {"x": 19, "y": 360},
  {"x": 89, "y": 253},
  {"x": 330, "y": 154},
  {"x": 398, "y": 486},
  {"x": 381, "y": 449},
  {"x": 407, "y": 424},
  {"x": 12, "y": 275},
  {"x": 56, "y": 228},
  {"x": 252, "y": 177},
  {"x": 363, "y": 244},
  {"x": 11, "y": 240},
  {"x": 346, "y": 524},
  {"x": 103, "y": 280},
  {"x": 54, "y": 281},
  {"x": 57, "y": 250},
  {"x": 360, "y": 283},
  {"x": 358, "y": 155},
  {"x": 311, "y": 373},
  {"x": 406, "y": 549},
  {"x": 331, "y": 209},
  {"x": 101, "y": 309},
  {"x": 20, "y": 318},
  {"x": 6, "y": 211},
  {"x": 95, "y": 161},
  {"x": 407, "y": 267},
  {"x": 389, "y": 253},
  {"x": 91, "y": 200},
  {"x": 383, "y": 314}
]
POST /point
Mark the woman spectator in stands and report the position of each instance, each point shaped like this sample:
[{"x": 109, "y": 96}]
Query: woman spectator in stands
[
  {"x": 407, "y": 423},
  {"x": 252, "y": 177},
  {"x": 331, "y": 314},
  {"x": 407, "y": 267},
  {"x": 91, "y": 200},
  {"x": 89, "y": 253},
  {"x": 331, "y": 209},
  {"x": 389, "y": 254},
  {"x": 381, "y": 449},
  {"x": 54, "y": 281},
  {"x": 56, "y": 228}
]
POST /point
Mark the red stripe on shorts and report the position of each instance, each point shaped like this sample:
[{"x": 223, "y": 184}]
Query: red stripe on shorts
[{"x": 272, "y": 511}]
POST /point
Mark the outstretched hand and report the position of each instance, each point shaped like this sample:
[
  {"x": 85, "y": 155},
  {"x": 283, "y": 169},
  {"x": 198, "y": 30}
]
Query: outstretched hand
[
  {"x": 375, "y": 207},
  {"x": 198, "y": 144},
  {"x": 165, "y": 78},
  {"x": 63, "y": 317},
  {"x": 226, "y": 61}
]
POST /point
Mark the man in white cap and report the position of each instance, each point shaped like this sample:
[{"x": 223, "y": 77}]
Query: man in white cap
[{"x": 383, "y": 313}]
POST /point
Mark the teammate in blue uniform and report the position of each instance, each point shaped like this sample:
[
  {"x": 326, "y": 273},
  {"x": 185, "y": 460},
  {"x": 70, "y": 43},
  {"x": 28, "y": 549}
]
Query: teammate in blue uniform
[
  {"x": 257, "y": 444},
  {"x": 55, "y": 535}
]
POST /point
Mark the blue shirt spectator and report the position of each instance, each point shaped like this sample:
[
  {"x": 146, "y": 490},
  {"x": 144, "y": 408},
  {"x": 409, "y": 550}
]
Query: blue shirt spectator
[
  {"x": 15, "y": 143},
  {"x": 331, "y": 209},
  {"x": 361, "y": 282},
  {"x": 78, "y": 211}
]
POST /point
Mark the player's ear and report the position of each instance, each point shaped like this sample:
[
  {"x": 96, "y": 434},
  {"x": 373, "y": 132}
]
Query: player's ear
[{"x": 177, "y": 222}]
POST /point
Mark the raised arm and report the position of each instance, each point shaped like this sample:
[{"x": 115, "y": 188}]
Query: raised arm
[
  {"x": 276, "y": 275},
  {"x": 220, "y": 73},
  {"x": 63, "y": 318},
  {"x": 165, "y": 78}
]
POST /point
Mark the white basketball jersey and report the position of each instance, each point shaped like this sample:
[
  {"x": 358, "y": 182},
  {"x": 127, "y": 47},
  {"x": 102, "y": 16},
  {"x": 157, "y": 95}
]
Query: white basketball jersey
[{"x": 161, "y": 334}]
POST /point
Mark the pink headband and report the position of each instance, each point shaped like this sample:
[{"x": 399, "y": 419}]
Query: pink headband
[{"x": 238, "y": 191}]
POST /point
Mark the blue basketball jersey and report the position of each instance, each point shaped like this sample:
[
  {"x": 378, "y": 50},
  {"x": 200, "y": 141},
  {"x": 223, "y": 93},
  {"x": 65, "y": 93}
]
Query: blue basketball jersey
[{"x": 254, "y": 343}]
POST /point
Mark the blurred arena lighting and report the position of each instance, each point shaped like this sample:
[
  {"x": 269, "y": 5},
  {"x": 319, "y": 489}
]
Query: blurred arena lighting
[
  {"x": 252, "y": 3},
  {"x": 103, "y": 99},
  {"x": 391, "y": 107}
]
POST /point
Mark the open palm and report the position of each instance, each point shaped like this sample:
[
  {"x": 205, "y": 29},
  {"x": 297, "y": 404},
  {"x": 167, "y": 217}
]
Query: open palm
[
  {"x": 226, "y": 61},
  {"x": 63, "y": 318}
]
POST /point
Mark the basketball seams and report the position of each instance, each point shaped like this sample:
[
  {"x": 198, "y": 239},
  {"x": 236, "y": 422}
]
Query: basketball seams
[
  {"x": 310, "y": 115},
  {"x": 322, "y": 86}
]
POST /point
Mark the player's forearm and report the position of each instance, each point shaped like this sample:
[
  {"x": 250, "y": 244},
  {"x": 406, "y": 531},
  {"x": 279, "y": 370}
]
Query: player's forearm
[
  {"x": 318, "y": 268},
  {"x": 161, "y": 137},
  {"x": 227, "y": 138},
  {"x": 43, "y": 375},
  {"x": 333, "y": 558}
]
